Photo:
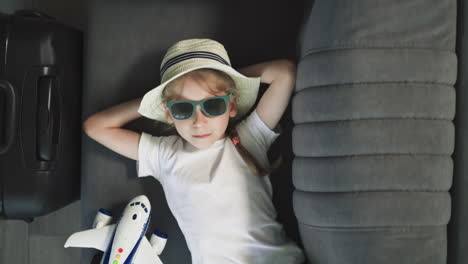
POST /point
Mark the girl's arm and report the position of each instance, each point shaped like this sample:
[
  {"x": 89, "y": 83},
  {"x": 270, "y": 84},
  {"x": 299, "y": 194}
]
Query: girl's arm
[
  {"x": 281, "y": 75},
  {"x": 105, "y": 128}
]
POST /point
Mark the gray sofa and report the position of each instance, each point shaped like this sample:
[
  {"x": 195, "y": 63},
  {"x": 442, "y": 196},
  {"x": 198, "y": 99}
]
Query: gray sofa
[
  {"x": 367, "y": 139},
  {"x": 374, "y": 131}
]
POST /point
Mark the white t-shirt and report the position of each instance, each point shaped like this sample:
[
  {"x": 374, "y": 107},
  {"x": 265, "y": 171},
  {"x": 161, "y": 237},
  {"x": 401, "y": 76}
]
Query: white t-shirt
[{"x": 224, "y": 211}]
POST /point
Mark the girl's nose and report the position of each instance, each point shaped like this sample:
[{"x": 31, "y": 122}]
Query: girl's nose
[{"x": 199, "y": 117}]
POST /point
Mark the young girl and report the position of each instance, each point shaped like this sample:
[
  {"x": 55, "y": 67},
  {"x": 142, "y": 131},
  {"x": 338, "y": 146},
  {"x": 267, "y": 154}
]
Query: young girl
[{"x": 215, "y": 171}]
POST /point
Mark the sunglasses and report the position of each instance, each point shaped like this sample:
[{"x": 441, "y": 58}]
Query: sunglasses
[{"x": 211, "y": 107}]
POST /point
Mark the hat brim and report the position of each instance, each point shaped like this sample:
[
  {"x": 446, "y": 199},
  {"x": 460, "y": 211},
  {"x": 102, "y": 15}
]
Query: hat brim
[{"x": 152, "y": 107}]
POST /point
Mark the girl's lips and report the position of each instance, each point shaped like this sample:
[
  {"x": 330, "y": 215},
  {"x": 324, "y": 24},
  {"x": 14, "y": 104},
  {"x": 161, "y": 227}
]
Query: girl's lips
[{"x": 201, "y": 136}]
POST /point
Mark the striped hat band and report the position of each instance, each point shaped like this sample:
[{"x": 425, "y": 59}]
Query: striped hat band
[{"x": 192, "y": 55}]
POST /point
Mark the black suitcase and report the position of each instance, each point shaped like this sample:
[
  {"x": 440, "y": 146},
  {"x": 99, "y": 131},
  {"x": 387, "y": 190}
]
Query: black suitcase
[{"x": 40, "y": 114}]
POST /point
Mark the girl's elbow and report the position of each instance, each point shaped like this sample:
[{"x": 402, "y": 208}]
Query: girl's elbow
[
  {"x": 288, "y": 67},
  {"x": 90, "y": 125}
]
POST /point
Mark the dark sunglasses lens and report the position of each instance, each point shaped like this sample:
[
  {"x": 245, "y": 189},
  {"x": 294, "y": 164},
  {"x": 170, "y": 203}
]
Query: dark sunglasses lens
[
  {"x": 215, "y": 107},
  {"x": 181, "y": 111}
]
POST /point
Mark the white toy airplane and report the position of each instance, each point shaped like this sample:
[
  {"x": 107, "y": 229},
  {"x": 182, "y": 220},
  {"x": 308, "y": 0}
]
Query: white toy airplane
[{"x": 125, "y": 242}]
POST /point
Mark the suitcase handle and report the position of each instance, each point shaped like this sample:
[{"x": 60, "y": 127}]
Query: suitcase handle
[
  {"x": 40, "y": 118},
  {"x": 8, "y": 116},
  {"x": 46, "y": 121}
]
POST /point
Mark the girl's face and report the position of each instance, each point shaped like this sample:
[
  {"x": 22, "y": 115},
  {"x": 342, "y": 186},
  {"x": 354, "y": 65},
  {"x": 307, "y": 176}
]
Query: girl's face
[{"x": 200, "y": 130}]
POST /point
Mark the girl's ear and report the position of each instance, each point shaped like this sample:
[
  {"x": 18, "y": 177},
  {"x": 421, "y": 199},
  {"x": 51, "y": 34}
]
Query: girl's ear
[
  {"x": 168, "y": 115},
  {"x": 233, "y": 107}
]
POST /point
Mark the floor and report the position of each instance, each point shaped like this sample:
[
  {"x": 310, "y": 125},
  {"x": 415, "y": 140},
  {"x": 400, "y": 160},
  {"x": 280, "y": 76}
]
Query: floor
[{"x": 42, "y": 240}]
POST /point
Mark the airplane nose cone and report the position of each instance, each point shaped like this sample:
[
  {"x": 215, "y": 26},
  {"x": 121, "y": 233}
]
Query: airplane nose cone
[{"x": 142, "y": 199}]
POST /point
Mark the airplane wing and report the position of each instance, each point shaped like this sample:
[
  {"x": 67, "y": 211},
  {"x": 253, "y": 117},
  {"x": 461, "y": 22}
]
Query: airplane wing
[
  {"x": 146, "y": 254},
  {"x": 93, "y": 238}
]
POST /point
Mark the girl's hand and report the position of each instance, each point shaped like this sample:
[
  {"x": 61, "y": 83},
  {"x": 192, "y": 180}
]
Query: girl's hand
[{"x": 281, "y": 75}]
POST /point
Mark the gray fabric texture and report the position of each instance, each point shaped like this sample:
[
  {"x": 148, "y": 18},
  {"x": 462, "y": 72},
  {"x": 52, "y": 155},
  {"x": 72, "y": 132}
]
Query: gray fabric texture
[
  {"x": 425, "y": 173},
  {"x": 388, "y": 100},
  {"x": 373, "y": 134},
  {"x": 365, "y": 209},
  {"x": 374, "y": 137},
  {"x": 376, "y": 244},
  {"x": 458, "y": 227},
  {"x": 376, "y": 66},
  {"x": 395, "y": 24}
]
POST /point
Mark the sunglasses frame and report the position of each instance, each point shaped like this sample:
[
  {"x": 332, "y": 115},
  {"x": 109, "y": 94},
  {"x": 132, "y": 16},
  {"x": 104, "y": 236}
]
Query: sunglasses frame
[{"x": 194, "y": 104}]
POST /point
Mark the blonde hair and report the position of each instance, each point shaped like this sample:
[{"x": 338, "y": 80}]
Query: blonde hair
[{"x": 226, "y": 84}]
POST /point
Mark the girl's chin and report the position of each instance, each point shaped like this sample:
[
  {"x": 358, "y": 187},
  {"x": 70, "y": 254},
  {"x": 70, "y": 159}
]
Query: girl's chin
[{"x": 201, "y": 143}]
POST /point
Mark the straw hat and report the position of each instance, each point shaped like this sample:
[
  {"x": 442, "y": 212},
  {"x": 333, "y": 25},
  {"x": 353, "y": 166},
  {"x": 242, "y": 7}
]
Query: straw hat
[{"x": 191, "y": 54}]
